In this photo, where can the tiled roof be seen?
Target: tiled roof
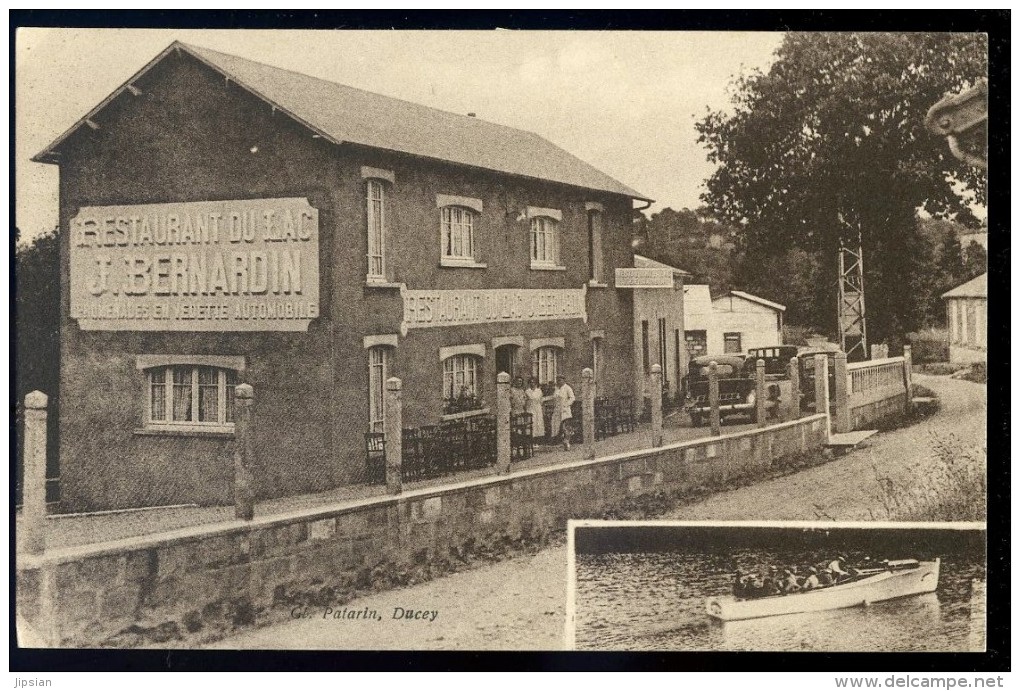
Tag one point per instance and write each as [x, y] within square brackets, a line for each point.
[974, 288]
[345, 114]
[760, 301]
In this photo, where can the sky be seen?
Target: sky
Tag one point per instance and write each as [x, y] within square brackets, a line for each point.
[626, 102]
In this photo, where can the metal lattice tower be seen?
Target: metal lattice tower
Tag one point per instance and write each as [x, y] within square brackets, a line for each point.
[853, 333]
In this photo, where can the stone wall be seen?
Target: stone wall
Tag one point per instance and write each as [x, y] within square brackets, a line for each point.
[200, 583]
[882, 413]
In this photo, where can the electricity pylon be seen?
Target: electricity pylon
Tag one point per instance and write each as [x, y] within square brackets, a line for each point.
[853, 332]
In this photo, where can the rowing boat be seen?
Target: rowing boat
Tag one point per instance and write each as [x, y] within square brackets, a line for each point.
[901, 579]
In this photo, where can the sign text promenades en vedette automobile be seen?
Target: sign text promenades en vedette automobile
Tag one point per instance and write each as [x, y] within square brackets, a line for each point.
[240, 265]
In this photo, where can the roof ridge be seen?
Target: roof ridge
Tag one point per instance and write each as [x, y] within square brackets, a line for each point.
[342, 113]
[191, 46]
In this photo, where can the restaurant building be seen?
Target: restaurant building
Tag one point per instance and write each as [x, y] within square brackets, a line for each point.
[224, 221]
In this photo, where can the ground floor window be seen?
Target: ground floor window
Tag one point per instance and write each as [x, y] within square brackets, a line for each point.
[378, 373]
[697, 342]
[731, 342]
[190, 395]
[545, 365]
[460, 383]
[646, 356]
[662, 349]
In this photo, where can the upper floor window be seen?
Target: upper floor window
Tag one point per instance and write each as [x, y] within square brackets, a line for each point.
[191, 396]
[376, 204]
[458, 228]
[595, 245]
[545, 242]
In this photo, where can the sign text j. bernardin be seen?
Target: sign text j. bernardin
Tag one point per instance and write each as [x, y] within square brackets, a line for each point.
[242, 265]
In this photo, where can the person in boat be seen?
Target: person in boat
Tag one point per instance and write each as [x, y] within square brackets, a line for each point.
[739, 585]
[839, 574]
[811, 581]
[790, 584]
[824, 578]
[773, 583]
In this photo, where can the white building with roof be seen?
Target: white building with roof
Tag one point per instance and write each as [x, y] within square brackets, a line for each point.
[967, 314]
[659, 325]
[731, 323]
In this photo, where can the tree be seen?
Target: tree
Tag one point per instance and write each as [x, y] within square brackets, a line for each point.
[975, 260]
[37, 330]
[693, 241]
[830, 141]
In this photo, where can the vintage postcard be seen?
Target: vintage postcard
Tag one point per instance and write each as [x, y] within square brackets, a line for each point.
[324, 336]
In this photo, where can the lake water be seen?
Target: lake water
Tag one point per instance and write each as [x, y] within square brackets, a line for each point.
[656, 601]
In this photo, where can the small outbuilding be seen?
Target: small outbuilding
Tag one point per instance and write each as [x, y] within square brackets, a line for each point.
[731, 323]
[967, 314]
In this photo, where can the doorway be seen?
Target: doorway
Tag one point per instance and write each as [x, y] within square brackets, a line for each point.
[506, 360]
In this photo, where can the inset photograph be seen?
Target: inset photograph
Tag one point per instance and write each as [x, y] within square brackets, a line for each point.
[776, 586]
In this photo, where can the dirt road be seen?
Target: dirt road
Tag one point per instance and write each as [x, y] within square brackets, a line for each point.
[519, 604]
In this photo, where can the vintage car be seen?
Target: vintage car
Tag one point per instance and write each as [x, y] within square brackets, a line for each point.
[736, 388]
[806, 358]
[777, 359]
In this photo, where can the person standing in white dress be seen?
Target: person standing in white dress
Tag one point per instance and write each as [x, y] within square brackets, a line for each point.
[563, 410]
[534, 407]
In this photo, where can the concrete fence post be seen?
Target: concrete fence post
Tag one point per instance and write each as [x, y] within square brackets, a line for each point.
[244, 451]
[713, 398]
[908, 368]
[503, 423]
[822, 389]
[656, 394]
[32, 531]
[588, 411]
[841, 395]
[760, 393]
[794, 406]
[393, 430]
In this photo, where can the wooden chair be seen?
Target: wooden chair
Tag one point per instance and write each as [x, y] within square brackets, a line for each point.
[626, 417]
[605, 418]
[412, 465]
[481, 442]
[430, 447]
[375, 458]
[455, 447]
[522, 444]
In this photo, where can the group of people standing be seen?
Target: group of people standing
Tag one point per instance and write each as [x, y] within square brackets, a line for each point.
[776, 581]
[530, 400]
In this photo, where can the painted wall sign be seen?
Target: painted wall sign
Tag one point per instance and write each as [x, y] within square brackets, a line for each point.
[425, 308]
[644, 278]
[242, 265]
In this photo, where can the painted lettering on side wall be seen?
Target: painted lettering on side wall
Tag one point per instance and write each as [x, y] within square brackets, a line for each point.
[240, 265]
[425, 308]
